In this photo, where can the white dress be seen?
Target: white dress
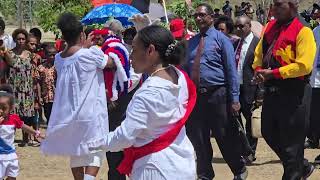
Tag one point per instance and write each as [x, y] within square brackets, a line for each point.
[79, 114]
[153, 110]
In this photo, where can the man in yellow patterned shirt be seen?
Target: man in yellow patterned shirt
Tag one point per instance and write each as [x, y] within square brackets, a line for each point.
[283, 62]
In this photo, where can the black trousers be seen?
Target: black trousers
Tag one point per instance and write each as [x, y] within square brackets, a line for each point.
[47, 108]
[247, 114]
[30, 121]
[212, 113]
[116, 116]
[314, 129]
[284, 121]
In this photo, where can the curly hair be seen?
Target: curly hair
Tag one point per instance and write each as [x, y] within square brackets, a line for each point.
[71, 28]
[20, 31]
[227, 21]
[36, 32]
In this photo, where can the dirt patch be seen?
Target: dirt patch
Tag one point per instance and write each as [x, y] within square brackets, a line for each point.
[35, 166]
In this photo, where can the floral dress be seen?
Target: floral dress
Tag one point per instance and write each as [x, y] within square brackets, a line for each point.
[36, 59]
[47, 76]
[20, 78]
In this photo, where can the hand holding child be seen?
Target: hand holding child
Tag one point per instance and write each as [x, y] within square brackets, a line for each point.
[39, 136]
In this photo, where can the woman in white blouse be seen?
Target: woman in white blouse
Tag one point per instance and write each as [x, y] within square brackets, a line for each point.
[155, 110]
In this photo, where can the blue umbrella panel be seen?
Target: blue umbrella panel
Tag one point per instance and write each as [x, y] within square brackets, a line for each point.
[101, 14]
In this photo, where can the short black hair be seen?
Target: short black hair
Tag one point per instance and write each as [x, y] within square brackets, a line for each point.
[30, 35]
[227, 21]
[161, 38]
[70, 27]
[216, 10]
[316, 6]
[88, 30]
[49, 46]
[20, 31]
[2, 24]
[7, 91]
[36, 32]
[129, 32]
[207, 6]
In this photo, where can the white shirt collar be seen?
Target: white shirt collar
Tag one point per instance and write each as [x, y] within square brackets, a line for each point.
[249, 38]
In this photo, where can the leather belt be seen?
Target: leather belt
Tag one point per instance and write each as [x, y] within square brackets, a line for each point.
[203, 90]
[272, 89]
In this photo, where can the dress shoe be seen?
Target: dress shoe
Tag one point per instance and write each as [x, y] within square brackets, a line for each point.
[310, 144]
[308, 171]
[242, 176]
[248, 160]
[317, 160]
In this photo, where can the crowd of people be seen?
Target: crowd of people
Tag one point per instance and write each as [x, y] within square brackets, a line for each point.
[245, 8]
[150, 99]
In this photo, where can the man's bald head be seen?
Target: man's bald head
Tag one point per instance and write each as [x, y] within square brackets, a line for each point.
[242, 26]
[285, 10]
[295, 3]
[244, 19]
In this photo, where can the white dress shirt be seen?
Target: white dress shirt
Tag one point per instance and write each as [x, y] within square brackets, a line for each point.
[243, 53]
[8, 41]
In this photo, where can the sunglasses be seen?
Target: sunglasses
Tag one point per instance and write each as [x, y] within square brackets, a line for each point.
[201, 15]
[240, 26]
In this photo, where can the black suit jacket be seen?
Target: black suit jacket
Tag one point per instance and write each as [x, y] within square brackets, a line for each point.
[248, 91]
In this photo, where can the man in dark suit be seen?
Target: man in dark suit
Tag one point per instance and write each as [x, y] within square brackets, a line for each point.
[249, 93]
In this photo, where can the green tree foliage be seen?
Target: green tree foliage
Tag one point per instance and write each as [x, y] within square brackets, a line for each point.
[8, 8]
[180, 8]
[47, 15]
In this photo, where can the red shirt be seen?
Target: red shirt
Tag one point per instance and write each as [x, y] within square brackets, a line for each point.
[13, 119]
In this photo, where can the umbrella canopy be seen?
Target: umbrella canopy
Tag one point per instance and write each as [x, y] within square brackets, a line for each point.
[101, 14]
[156, 11]
[97, 3]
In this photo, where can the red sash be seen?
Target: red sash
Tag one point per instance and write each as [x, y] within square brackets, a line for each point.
[133, 153]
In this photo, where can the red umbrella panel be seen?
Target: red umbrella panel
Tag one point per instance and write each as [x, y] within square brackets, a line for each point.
[97, 3]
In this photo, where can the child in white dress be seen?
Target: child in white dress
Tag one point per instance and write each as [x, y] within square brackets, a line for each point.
[153, 133]
[79, 113]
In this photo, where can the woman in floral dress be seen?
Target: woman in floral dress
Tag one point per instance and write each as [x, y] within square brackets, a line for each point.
[21, 79]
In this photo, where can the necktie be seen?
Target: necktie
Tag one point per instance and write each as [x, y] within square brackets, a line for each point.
[238, 52]
[195, 73]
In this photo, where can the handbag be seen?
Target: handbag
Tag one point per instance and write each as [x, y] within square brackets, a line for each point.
[256, 122]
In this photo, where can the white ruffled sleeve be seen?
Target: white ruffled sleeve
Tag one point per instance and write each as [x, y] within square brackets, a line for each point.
[93, 58]
[134, 78]
[136, 121]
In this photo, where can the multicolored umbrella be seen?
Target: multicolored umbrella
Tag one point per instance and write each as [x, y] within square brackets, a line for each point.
[101, 14]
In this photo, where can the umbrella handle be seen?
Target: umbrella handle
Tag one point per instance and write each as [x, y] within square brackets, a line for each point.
[165, 10]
